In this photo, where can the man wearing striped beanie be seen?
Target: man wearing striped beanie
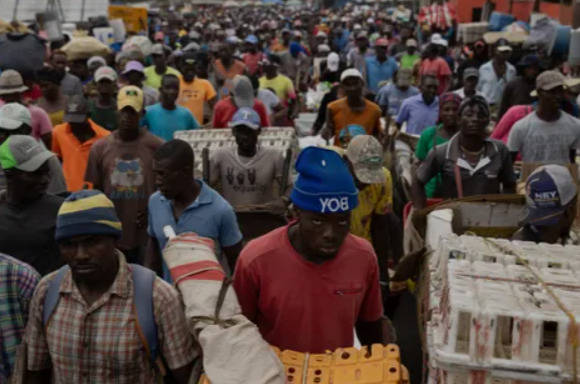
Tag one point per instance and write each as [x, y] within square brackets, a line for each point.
[91, 312]
[307, 285]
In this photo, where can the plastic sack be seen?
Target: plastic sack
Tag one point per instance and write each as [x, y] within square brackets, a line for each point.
[83, 48]
[542, 34]
[30, 53]
[141, 42]
[233, 349]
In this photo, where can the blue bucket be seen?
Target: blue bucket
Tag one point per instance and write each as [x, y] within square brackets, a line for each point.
[561, 42]
[498, 21]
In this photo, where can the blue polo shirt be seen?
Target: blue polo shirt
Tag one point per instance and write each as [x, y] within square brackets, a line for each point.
[209, 216]
[417, 114]
[377, 71]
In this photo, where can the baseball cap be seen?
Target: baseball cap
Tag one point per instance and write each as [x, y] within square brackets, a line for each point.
[362, 35]
[297, 34]
[157, 49]
[134, 66]
[23, 153]
[404, 77]
[251, 39]
[411, 43]
[13, 115]
[321, 34]
[503, 45]
[381, 43]
[105, 73]
[366, 155]
[243, 92]
[350, 73]
[77, 110]
[96, 60]
[530, 61]
[549, 190]
[550, 80]
[324, 48]
[130, 96]
[470, 72]
[247, 117]
[333, 61]
[11, 82]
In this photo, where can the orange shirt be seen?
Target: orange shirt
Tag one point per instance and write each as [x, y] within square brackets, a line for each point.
[342, 115]
[193, 96]
[73, 153]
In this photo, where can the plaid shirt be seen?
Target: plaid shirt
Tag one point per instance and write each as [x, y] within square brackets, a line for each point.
[100, 343]
[17, 283]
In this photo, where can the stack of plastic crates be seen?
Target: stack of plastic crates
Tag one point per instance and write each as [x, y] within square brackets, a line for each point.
[282, 138]
[493, 318]
[344, 366]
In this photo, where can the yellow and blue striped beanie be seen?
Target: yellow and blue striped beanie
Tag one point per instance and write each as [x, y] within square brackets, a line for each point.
[87, 213]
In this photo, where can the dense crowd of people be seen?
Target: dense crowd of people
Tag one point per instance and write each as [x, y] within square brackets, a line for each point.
[91, 174]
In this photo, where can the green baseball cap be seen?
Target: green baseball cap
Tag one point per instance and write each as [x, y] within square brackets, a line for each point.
[23, 153]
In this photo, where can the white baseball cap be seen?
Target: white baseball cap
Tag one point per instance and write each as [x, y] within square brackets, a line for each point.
[332, 61]
[350, 73]
[13, 115]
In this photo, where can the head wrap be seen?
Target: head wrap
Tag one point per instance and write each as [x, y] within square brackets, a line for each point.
[449, 97]
[87, 212]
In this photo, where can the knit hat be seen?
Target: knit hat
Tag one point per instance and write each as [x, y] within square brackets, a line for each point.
[87, 212]
[324, 183]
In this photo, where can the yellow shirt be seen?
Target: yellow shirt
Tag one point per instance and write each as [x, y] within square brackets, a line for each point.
[374, 199]
[56, 117]
[153, 79]
[281, 85]
[193, 96]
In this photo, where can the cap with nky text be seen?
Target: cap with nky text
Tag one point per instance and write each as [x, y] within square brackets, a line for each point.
[549, 191]
[130, 96]
[23, 153]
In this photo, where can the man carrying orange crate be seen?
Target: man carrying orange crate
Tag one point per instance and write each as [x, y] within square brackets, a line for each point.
[308, 284]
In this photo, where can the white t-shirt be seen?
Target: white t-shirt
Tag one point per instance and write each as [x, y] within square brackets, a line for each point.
[539, 141]
[269, 99]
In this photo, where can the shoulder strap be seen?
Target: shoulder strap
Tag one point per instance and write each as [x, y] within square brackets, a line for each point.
[143, 280]
[52, 295]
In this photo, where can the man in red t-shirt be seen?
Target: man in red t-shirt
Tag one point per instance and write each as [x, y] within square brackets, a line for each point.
[242, 95]
[308, 284]
[435, 65]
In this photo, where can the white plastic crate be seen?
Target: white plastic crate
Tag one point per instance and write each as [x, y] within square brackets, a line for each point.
[491, 319]
[282, 138]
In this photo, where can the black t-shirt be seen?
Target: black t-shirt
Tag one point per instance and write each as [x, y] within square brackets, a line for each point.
[27, 232]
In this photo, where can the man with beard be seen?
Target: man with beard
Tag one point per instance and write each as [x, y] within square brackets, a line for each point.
[194, 92]
[70, 84]
[166, 117]
[308, 284]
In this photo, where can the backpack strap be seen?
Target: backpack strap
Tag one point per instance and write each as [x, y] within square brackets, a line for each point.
[52, 295]
[143, 280]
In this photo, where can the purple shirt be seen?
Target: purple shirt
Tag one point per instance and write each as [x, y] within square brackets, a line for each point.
[417, 114]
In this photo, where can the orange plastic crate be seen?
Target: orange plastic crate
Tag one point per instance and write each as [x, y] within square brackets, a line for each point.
[344, 366]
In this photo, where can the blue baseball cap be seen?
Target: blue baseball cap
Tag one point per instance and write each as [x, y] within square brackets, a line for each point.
[324, 183]
[549, 191]
[251, 39]
[247, 117]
